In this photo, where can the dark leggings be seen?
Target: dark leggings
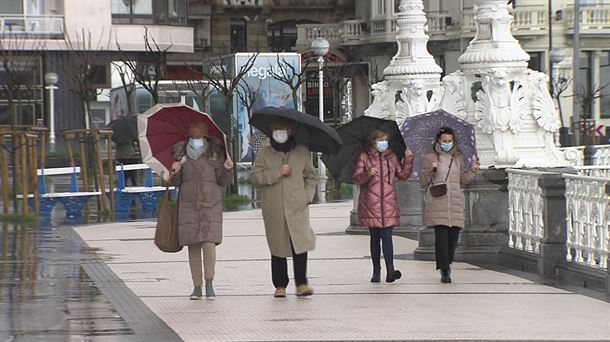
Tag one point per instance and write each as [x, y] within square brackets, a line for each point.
[445, 243]
[383, 235]
[279, 269]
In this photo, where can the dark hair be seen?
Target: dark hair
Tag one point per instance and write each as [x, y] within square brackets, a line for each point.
[444, 130]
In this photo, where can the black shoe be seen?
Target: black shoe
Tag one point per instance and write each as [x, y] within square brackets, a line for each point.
[445, 276]
[392, 276]
[376, 276]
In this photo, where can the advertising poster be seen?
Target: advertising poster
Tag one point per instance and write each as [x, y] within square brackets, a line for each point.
[270, 92]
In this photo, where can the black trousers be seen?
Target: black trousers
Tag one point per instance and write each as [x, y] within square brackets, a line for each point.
[445, 243]
[279, 269]
[383, 235]
[131, 175]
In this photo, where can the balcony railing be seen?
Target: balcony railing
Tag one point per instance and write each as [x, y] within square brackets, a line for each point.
[530, 18]
[32, 26]
[591, 17]
[243, 3]
[348, 32]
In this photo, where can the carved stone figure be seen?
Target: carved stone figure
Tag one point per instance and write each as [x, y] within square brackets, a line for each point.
[453, 95]
[380, 106]
[544, 110]
[500, 110]
[414, 100]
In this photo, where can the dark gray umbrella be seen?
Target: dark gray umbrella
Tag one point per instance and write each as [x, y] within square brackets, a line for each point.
[309, 130]
[124, 129]
[354, 135]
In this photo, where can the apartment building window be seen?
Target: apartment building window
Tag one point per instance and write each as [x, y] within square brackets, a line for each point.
[396, 6]
[535, 62]
[604, 81]
[162, 12]
[238, 35]
[282, 36]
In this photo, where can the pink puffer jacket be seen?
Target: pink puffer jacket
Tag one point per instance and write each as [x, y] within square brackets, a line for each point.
[378, 203]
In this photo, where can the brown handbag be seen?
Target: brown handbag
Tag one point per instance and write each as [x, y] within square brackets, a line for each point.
[166, 233]
[440, 190]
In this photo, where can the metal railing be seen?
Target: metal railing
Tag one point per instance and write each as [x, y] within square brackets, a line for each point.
[32, 26]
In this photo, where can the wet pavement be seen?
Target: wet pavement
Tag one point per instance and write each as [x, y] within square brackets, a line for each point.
[54, 288]
[45, 295]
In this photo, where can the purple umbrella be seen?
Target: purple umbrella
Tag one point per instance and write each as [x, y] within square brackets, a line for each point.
[419, 133]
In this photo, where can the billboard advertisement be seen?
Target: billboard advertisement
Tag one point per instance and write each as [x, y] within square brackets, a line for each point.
[269, 91]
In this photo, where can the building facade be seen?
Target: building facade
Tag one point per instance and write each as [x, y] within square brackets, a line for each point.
[371, 36]
[39, 37]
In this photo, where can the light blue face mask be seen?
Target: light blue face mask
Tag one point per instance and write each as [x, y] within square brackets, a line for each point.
[446, 147]
[196, 143]
[381, 145]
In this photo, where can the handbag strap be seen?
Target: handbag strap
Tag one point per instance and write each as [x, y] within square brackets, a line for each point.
[447, 176]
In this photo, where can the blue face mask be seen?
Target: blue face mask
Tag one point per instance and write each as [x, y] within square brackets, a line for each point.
[196, 143]
[381, 145]
[446, 147]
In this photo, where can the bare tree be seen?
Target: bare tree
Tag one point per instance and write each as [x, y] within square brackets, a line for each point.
[20, 69]
[248, 95]
[560, 85]
[374, 75]
[198, 85]
[128, 81]
[226, 85]
[149, 66]
[289, 75]
[586, 99]
[338, 76]
[81, 71]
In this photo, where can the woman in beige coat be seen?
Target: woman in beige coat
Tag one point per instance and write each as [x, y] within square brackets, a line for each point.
[200, 172]
[445, 164]
[285, 175]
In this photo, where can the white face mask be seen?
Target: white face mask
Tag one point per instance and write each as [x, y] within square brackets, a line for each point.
[280, 136]
[196, 143]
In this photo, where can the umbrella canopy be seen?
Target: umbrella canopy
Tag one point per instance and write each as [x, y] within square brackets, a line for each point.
[354, 136]
[124, 129]
[309, 130]
[419, 132]
[162, 126]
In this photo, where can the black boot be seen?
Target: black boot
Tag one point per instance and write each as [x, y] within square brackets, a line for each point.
[376, 275]
[392, 275]
[446, 276]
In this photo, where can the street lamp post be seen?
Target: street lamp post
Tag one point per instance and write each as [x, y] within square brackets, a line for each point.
[51, 80]
[320, 47]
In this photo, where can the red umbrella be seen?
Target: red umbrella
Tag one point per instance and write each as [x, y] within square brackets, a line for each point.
[162, 126]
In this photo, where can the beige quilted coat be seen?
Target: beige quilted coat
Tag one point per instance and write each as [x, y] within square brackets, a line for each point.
[447, 210]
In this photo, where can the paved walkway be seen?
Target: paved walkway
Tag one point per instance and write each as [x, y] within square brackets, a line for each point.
[481, 304]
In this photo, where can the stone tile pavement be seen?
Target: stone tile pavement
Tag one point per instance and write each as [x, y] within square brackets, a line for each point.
[481, 304]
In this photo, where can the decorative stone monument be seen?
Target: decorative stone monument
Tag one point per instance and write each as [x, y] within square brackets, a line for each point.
[515, 122]
[412, 86]
[493, 89]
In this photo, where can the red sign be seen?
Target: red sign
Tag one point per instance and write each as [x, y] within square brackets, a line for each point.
[598, 130]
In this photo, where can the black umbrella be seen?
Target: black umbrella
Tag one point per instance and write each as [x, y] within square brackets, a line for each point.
[124, 129]
[354, 136]
[309, 130]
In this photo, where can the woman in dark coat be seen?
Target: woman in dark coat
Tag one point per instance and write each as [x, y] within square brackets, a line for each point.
[445, 164]
[375, 171]
[200, 171]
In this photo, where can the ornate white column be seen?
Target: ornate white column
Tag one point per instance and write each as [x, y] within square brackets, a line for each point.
[509, 103]
[412, 73]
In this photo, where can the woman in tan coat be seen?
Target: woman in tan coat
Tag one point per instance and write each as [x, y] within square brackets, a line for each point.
[445, 164]
[285, 175]
[200, 172]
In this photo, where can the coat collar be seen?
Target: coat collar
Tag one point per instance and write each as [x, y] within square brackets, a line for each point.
[371, 151]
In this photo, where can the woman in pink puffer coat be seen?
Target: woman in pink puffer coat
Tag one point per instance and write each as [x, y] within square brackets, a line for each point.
[375, 171]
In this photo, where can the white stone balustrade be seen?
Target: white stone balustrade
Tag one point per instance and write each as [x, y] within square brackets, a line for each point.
[601, 155]
[592, 17]
[530, 18]
[602, 171]
[588, 220]
[526, 224]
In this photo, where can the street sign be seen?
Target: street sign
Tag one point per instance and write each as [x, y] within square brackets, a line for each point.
[598, 130]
